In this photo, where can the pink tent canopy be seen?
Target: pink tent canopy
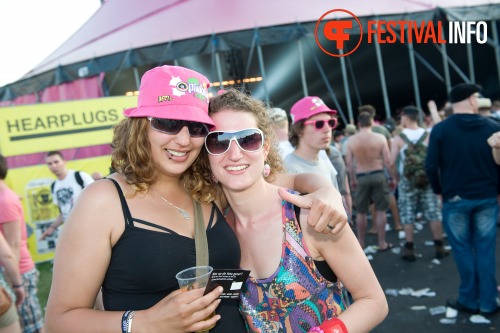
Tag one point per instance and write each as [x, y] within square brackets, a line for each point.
[131, 24]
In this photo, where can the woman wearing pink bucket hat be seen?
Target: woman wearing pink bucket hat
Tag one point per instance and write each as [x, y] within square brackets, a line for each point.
[131, 234]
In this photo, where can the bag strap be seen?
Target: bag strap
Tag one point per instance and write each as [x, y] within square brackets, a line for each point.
[405, 138]
[79, 179]
[200, 236]
[423, 137]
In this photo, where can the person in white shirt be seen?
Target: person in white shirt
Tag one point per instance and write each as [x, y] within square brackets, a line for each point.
[66, 189]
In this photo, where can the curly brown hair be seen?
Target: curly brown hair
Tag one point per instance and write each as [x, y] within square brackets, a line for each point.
[131, 157]
[236, 100]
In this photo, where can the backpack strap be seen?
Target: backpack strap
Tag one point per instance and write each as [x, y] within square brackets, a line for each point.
[79, 179]
[407, 141]
[405, 138]
[423, 137]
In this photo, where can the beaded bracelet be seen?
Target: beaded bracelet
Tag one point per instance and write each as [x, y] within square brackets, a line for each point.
[127, 321]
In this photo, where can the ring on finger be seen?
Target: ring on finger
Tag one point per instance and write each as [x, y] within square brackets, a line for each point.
[329, 226]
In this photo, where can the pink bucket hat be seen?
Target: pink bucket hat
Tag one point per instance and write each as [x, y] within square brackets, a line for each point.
[307, 107]
[173, 92]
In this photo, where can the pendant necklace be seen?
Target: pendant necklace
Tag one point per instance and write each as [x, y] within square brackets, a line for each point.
[181, 211]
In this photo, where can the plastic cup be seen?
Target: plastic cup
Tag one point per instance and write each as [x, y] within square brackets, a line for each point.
[193, 278]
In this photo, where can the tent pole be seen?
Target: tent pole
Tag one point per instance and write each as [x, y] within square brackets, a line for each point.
[219, 69]
[445, 66]
[263, 72]
[382, 79]
[497, 46]
[346, 88]
[470, 60]
[414, 75]
[137, 79]
[302, 69]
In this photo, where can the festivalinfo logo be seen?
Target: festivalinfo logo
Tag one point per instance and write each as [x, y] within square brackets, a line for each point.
[332, 35]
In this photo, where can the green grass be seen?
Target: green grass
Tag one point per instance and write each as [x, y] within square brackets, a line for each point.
[45, 270]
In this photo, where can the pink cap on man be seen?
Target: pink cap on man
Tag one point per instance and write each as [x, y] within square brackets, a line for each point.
[173, 92]
[308, 107]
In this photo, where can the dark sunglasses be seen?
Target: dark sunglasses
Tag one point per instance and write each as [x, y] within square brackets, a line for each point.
[172, 126]
[319, 124]
[249, 140]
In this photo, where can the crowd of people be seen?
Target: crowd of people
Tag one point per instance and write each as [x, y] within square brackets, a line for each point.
[284, 195]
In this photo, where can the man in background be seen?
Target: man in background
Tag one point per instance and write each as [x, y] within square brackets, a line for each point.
[462, 170]
[367, 155]
[279, 123]
[66, 189]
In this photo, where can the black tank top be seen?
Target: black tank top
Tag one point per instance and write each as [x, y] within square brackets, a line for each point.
[144, 262]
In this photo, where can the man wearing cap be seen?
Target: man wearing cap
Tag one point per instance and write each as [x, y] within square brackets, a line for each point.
[370, 151]
[312, 124]
[279, 123]
[461, 169]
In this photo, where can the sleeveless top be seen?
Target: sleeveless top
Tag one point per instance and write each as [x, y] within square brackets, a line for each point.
[296, 296]
[144, 262]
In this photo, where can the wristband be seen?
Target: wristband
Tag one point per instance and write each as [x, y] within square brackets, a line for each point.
[127, 321]
[333, 325]
[17, 286]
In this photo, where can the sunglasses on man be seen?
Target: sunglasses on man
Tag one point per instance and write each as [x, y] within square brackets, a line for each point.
[319, 124]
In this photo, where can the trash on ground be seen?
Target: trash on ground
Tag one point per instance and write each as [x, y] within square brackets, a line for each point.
[437, 310]
[405, 291]
[448, 321]
[371, 249]
[418, 307]
[423, 292]
[391, 292]
[436, 261]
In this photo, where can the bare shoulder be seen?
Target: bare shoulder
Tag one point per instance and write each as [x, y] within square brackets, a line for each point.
[98, 206]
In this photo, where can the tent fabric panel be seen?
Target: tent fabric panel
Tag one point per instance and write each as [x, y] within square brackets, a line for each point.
[120, 25]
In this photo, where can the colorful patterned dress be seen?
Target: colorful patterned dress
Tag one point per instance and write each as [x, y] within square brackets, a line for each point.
[296, 297]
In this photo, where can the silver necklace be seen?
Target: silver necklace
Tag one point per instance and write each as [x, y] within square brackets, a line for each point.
[181, 211]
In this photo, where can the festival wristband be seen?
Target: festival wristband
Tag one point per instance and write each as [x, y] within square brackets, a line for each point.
[127, 321]
[333, 325]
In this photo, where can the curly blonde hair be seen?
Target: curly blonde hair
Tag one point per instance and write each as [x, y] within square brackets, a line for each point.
[236, 100]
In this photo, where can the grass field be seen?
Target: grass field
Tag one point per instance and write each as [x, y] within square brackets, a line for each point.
[45, 270]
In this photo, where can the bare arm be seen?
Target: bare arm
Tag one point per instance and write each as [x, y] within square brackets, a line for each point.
[52, 228]
[397, 144]
[346, 258]
[433, 111]
[327, 210]
[12, 233]
[11, 266]
[349, 162]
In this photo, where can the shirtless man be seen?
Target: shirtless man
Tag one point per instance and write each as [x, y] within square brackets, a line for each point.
[371, 152]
